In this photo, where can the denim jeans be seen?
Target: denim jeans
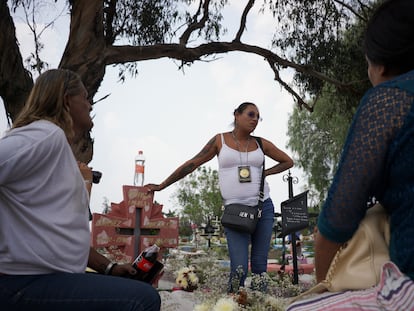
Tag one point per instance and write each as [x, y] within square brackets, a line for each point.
[80, 292]
[238, 246]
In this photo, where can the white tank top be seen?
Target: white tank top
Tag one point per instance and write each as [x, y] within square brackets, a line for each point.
[232, 190]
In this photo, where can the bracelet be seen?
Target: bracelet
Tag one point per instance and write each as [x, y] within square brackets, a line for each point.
[87, 181]
[109, 268]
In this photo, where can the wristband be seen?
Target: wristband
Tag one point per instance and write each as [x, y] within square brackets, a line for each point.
[109, 268]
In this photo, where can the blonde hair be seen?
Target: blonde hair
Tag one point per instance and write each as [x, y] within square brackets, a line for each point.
[47, 101]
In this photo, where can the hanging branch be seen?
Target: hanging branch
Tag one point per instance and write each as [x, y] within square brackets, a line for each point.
[243, 20]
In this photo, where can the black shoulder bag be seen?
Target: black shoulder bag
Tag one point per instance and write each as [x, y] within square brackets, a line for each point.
[241, 217]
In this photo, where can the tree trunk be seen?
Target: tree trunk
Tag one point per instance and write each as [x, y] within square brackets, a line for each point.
[84, 54]
[15, 81]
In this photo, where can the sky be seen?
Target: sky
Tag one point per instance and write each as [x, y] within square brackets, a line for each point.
[171, 114]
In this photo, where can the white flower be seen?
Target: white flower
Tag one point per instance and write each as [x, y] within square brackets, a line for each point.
[186, 278]
[225, 304]
[202, 307]
[193, 278]
[181, 281]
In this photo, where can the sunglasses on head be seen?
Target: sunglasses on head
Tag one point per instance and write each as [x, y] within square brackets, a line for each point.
[253, 115]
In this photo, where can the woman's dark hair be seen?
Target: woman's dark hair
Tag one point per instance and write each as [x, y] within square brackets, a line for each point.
[242, 107]
[389, 37]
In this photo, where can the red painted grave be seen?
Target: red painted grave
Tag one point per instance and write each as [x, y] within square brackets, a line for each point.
[132, 225]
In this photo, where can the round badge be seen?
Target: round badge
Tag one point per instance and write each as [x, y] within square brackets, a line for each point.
[244, 173]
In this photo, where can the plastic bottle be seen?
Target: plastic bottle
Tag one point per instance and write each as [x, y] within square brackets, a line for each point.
[145, 261]
[139, 169]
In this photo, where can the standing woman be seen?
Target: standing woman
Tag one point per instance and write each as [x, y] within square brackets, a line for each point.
[236, 149]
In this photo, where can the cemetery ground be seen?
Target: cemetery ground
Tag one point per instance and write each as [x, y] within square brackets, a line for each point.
[204, 264]
[211, 267]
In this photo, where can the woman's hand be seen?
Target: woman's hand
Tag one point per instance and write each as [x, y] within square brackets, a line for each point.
[86, 172]
[153, 187]
[125, 270]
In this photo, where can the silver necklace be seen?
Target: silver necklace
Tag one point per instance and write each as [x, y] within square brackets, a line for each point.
[238, 147]
[244, 170]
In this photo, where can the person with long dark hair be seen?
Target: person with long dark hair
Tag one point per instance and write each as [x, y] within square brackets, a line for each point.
[377, 161]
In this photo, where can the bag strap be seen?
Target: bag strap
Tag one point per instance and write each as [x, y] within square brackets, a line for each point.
[261, 193]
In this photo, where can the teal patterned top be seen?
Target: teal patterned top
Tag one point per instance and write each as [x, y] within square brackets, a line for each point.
[377, 161]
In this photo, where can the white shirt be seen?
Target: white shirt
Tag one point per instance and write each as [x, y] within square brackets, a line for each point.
[232, 190]
[43, 203]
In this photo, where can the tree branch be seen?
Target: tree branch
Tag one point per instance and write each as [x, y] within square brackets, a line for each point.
[196, 25]
[298, 98]
[110, 12]
[351, 9]
[122, 54]
[242, 27]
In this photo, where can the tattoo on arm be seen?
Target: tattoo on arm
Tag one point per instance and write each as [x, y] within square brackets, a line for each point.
[207, 149]
[185, 170]
[180, 173]
[191, 165]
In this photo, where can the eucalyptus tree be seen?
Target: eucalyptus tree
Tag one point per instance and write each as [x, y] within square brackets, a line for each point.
[124, 32]
[317, 138]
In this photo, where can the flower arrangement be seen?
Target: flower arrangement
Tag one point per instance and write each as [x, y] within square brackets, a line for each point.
[270, 292]
[187, 279]
[246, 299]
[263, 293]
[223, 304]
